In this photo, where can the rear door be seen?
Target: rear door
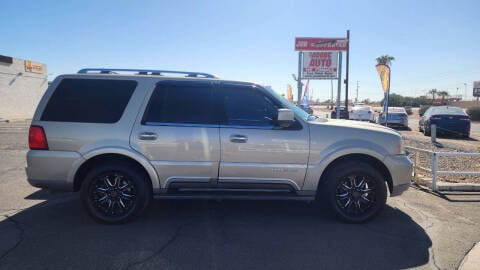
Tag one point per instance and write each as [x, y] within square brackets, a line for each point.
[255, 151]
[179, 134]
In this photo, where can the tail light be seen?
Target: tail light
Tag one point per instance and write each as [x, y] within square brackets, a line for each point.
[467, 118]
[37, 139]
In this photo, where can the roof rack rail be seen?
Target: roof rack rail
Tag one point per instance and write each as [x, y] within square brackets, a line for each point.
[144, 72]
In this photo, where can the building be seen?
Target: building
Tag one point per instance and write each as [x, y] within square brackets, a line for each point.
[22, 84]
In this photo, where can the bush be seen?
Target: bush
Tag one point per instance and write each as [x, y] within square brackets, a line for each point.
[474, 113]
[422, 109]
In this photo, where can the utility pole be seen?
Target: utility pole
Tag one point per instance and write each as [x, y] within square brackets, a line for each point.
[356, 98]
[465, 91]
[346, 76]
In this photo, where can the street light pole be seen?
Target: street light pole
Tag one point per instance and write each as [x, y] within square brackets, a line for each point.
[465, 91]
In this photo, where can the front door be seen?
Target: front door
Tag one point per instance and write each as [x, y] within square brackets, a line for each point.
[254, 149]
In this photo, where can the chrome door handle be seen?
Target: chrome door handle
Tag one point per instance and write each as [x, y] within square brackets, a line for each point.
[238, 138]
[148, 136]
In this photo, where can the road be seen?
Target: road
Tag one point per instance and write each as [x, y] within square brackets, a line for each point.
[45, 230]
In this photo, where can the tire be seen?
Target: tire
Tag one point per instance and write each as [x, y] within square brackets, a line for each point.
[425, 132]
[115, 192]
[355, 191]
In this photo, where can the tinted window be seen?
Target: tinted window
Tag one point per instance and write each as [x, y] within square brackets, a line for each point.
[89, 101]
[184, 104]
[245, 106]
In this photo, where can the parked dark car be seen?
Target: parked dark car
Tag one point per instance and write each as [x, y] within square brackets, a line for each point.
[343, 113]
[448, 119]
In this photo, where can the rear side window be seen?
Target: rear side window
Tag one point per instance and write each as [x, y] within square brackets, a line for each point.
[180, 104]
[89, 101]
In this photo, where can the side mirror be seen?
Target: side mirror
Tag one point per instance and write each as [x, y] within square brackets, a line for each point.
[285, 118]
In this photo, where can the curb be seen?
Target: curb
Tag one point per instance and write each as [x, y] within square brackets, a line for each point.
[471, 261]
[446, 186]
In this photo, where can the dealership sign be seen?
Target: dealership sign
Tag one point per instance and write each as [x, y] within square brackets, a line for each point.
[320, 65]
[320, 44]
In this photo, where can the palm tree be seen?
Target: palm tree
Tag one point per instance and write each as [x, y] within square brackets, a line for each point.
[433, 92]
[443, 94]
[385, 59]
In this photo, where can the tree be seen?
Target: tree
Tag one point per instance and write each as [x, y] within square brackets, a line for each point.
[443, 94]
[433, 92]
[385, 59]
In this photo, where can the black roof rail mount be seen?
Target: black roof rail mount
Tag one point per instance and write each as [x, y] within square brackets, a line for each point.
[145, 72]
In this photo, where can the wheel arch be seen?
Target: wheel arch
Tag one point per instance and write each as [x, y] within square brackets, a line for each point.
[100, 158]
[372, 161]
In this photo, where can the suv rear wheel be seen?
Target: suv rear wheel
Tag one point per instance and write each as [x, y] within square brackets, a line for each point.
[356, 191]
[115, 192]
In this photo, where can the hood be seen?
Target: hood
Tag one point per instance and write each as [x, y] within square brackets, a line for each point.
[349, 124]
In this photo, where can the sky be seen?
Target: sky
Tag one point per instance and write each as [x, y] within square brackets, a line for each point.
[435, 43]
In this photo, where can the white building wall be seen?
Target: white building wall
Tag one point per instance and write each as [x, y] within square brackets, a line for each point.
[20, 90]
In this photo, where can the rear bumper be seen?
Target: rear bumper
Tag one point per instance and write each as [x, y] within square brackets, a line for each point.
[51, 169]
[400, 168]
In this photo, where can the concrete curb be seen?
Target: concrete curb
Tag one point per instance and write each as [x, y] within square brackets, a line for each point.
[446, 186]
[472, 259]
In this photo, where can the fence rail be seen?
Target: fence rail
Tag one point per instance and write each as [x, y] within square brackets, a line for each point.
[434, 164]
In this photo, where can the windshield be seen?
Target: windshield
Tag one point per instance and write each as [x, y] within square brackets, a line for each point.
[298, 111]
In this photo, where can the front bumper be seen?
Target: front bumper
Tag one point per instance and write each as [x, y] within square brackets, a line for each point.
[401, 169]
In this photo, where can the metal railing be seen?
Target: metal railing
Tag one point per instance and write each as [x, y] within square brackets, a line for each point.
[434, 156]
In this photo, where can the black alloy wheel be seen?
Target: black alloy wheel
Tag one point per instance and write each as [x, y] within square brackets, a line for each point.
[356, 191]
[114, 193]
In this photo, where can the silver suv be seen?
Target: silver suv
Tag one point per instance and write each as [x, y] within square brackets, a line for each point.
[121, 137]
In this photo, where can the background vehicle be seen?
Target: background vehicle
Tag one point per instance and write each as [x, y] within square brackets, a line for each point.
[307, 108]
[397, 117]
[362, 113]
[343, 113]
[448, 119]
[123, 139]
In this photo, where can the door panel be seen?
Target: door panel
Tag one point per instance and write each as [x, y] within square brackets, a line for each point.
[179, 133]
[180, 153]
[268, 156]
[254, 149]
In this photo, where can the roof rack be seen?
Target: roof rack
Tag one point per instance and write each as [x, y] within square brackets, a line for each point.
[145, 72]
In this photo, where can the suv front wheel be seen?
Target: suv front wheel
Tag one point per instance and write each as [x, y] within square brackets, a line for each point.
[356, 191]
[115, 192]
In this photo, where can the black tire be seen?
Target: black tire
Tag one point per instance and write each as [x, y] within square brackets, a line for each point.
[425, 132]
[353, 201]
[115, 192]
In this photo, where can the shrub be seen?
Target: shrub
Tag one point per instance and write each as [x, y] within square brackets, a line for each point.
[474, 113]
[422, 109]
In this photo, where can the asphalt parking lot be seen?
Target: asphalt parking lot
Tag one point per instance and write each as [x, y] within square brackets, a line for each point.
[44, 230]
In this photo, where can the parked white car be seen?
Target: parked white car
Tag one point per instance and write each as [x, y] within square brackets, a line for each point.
[362, 113]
